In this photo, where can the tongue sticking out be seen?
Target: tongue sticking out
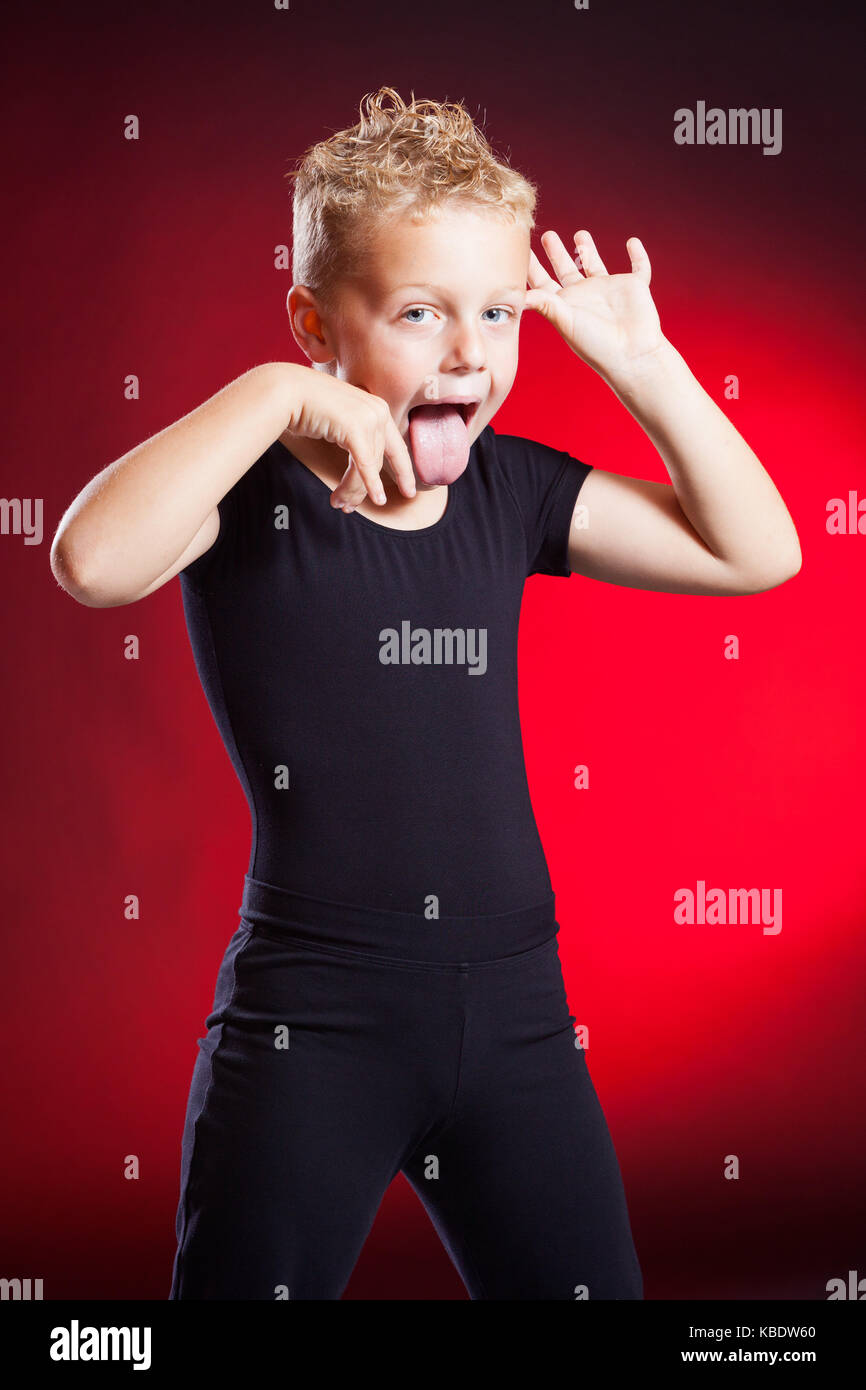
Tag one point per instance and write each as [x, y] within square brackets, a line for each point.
[439, 443]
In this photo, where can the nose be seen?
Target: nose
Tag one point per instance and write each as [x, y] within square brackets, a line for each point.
[466, 350]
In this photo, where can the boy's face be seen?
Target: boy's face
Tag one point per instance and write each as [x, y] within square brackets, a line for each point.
[434, 316]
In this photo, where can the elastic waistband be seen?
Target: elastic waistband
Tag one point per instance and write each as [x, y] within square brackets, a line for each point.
[405, 935]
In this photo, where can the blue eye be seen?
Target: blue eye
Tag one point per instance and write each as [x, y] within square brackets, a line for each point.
[418, 310]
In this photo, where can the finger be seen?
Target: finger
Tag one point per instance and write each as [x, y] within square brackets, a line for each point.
[566, 269]
[549, 306]
[388, 444]
[367, 458]
[366, 448]
[399, 458]
[362, 475]
[538, 276]
[348, 485]
[640, 261]
[587, 254]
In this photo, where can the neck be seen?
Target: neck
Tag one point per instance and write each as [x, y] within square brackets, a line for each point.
[329, 462]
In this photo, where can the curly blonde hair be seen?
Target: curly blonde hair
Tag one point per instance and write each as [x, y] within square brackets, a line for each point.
[396, 159]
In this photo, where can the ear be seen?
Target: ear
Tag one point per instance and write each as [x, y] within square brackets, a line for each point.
[308, 326]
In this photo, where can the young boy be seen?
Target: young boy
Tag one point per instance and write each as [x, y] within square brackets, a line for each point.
[392, 999]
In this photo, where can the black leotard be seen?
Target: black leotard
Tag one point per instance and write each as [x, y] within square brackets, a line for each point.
[371, 782]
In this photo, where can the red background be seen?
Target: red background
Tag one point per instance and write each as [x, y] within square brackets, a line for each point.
[156, 257]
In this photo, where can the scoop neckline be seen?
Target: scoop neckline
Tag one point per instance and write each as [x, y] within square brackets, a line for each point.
[406, 533]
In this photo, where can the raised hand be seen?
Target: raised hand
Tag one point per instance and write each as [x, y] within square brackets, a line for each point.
[610, 321]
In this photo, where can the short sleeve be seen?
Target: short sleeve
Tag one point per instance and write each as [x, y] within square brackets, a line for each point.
[198, 568]
[545, 483]
[241, 511]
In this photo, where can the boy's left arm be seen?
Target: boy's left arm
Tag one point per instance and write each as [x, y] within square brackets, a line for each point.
[721, 528]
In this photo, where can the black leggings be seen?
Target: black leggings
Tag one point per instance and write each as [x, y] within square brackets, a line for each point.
[347, 1045]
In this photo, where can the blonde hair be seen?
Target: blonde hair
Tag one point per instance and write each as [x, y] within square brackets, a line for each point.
[396, 159]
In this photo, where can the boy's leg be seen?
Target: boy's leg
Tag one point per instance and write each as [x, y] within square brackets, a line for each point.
[527, 1193]
[297, 1121]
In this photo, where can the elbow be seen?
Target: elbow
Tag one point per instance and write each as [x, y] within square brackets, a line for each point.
[65, 569]
[70, 575]
[772, 577]
[92, 585]
[796, 563]
[790, 566]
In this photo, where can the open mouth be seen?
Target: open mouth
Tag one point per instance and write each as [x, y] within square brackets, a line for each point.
[466, 408]
[439, 439]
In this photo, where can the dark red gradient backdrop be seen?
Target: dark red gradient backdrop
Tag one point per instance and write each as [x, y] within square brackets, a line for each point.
[156, 257]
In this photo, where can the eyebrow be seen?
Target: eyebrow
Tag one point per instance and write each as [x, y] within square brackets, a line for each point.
[440, 289]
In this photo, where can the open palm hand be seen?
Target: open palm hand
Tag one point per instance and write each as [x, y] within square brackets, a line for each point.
[610, 321]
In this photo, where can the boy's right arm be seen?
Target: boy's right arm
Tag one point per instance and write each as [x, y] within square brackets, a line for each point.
[152, 512]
